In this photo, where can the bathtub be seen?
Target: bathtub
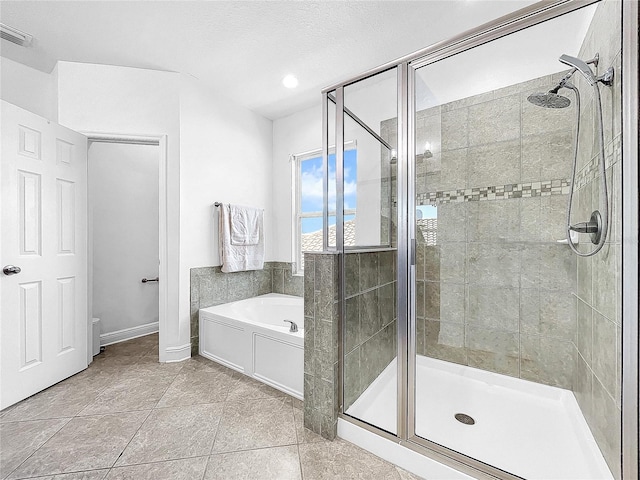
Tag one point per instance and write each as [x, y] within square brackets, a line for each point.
[250, 336]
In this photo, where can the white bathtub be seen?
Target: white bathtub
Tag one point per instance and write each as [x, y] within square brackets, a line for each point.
[250, 336]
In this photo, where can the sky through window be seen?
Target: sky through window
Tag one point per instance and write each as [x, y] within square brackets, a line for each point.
[311, 188]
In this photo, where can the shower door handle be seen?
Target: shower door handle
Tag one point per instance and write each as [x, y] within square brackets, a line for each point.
[412, 259]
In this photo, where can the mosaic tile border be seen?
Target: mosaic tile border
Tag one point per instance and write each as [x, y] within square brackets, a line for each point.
[612, 155]
[496, 192]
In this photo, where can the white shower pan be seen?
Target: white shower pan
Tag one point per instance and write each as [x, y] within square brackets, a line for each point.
[532, 430]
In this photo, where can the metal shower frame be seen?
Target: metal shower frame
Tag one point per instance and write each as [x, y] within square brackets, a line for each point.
[405, 68]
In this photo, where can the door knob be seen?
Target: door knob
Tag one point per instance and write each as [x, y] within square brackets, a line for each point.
[11, 270]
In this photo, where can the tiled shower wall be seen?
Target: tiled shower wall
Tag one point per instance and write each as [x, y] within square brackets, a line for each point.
[597, 380]
[371, 334]
[209, 286]
[495, 290]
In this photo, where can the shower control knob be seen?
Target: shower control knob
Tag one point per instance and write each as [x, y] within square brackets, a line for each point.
[592, 227]
[585, 227]
[11, 270]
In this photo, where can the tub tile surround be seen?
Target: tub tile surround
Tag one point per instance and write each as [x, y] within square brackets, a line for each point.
[598, 363]
[209, 287]
[179, 437]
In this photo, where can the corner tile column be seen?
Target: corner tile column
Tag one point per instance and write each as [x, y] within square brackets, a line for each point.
[321, 402]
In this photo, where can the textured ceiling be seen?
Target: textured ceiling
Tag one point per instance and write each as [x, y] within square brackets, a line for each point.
[239, 48]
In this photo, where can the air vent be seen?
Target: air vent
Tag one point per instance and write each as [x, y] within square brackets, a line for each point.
[15, 36]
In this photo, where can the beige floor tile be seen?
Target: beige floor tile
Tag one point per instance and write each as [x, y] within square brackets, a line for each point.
[171, 433]
[153, 353]
[256, 424]
[197, 387]
[249, 389]
[115, 364]
[340, 459]
[84, 443]
[151, 366]
[125, 349]
[89, 475]
[18, 440]
[199, 363]
[63, 400]
[184, 469]
[281, 463]
[129, 394]
[255, 427]
[404, 475]
[138, 347]
[95, 378]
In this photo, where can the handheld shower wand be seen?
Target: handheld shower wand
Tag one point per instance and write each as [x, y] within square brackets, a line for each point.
[598, 224]
[606, 78]
[581, 66]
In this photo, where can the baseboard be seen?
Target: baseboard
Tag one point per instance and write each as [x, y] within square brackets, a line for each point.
[177, 354]
[128, 334]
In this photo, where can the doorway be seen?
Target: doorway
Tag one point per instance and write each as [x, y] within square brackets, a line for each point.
[126, 205]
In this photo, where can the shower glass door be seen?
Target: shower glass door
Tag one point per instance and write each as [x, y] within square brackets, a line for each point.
[367, 244]
[515, 348]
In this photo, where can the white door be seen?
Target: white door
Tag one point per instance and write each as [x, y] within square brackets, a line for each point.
[43, 327]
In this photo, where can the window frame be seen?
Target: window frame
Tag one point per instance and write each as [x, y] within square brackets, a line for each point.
[296, 202]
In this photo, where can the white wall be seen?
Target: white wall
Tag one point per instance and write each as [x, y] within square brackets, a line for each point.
[123, 208]
[28, 88]
[109, 99]
[217, 151]
[297, 133]
[225, 156]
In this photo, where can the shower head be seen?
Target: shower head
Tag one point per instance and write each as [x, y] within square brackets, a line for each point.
[549, 100]
[581, 66]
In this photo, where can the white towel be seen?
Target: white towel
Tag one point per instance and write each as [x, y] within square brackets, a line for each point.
[238, 258]
[246, 223]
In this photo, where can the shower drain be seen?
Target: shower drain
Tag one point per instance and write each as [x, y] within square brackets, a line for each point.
[464, 418]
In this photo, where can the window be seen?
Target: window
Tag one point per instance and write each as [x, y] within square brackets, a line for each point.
[308, 201]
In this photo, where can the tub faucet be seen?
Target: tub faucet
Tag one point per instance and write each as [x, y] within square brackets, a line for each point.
[294, 326]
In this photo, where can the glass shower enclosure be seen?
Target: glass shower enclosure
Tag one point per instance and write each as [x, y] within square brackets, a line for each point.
[469, 325]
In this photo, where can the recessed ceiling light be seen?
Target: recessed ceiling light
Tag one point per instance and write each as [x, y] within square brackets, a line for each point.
[290, 81]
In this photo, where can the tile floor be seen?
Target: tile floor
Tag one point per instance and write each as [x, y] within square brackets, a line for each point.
[129, 417]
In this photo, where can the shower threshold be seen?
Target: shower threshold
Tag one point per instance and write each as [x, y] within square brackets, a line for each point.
[531, 430]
